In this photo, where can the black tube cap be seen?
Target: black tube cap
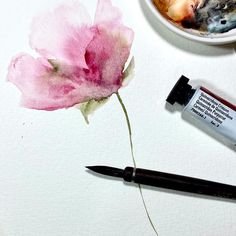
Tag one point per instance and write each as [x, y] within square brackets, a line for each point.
[181, 93]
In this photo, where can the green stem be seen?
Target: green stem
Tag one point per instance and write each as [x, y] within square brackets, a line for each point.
[133, 158]
[129, 127]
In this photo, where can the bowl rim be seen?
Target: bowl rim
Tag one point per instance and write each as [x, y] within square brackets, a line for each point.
[207, 40]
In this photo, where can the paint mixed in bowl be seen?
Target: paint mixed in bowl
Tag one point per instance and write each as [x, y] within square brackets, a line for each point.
[213, 16]
[206, 18]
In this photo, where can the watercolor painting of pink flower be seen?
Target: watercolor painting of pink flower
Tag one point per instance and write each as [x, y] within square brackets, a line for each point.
[81, 62]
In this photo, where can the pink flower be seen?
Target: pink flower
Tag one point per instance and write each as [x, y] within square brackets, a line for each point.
[79, 60]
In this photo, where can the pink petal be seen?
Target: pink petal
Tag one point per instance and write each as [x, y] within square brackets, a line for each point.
[112, 42]
[44, 89]
[63, 34]
[107, 14]
[108, 54]
[39, 91]
[24, 71]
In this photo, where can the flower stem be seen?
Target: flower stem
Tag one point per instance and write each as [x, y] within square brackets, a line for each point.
[133, 158]
[129, 127]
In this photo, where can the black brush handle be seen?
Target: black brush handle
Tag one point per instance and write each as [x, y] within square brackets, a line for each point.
[179, 183]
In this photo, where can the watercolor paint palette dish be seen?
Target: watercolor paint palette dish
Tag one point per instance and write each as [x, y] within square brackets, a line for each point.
[224, 33]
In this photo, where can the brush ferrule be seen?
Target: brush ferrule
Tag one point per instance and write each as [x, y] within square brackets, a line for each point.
[129, 174]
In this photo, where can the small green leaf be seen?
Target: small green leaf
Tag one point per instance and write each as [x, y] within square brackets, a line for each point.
[129, 72]
[54, 64]
[87, 108]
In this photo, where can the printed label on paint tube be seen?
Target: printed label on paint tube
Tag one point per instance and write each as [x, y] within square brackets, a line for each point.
[214, 113]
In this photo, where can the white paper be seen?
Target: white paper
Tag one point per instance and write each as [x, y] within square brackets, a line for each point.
[44, 188]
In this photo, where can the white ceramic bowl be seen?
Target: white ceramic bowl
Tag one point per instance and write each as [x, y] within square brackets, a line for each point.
[212, 39]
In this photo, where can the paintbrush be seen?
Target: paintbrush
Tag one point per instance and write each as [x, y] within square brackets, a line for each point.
[168, 181]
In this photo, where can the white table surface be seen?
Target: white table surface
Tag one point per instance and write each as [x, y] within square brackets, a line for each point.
[44, 188]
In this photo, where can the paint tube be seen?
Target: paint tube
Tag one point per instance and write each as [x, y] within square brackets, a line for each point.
[206, 107]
